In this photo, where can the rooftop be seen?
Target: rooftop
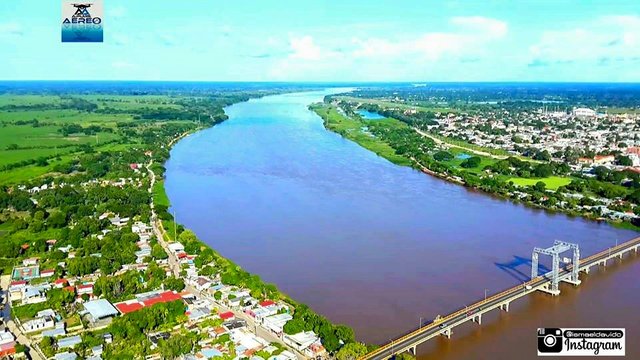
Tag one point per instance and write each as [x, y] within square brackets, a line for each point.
[100, 308]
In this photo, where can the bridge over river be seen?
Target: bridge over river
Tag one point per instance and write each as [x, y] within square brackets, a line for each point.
[547, 283]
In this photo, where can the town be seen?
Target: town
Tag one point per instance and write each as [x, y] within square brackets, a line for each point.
[95, 267]
[571, 159]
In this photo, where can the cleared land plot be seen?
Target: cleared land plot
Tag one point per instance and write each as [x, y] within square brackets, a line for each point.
[28, 100]
[552, 182]
[62, 116]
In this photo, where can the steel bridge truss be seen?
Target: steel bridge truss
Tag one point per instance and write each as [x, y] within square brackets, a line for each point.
[558, 248]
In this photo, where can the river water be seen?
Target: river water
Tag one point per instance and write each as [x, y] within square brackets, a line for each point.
[378, 246]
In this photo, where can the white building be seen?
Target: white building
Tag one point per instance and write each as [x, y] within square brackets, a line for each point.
[302, 340]
[38, 324]
[6, 337]
[584, 113]
[176, 247]
[276, 323]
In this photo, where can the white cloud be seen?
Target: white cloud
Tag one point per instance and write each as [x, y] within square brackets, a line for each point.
[606, 38]
[305, 49]
[476, 33]
[396, 55]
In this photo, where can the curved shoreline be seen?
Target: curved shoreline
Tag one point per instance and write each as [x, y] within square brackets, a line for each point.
[166, 236]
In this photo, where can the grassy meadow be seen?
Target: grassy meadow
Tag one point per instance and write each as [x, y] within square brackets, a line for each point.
[31, 127]
[551, 182]
[355, 130]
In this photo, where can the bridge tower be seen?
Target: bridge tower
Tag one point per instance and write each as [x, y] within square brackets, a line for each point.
[558, 248]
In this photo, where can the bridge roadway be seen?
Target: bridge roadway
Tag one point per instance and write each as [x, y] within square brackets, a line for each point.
[501, 301]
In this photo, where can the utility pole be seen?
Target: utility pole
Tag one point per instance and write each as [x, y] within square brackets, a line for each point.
[175, 227]
[420, 324]
[485, 294]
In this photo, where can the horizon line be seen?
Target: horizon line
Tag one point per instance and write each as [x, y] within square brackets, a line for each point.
[334, 82]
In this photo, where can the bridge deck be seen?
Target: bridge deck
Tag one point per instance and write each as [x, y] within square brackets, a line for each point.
[472, 312]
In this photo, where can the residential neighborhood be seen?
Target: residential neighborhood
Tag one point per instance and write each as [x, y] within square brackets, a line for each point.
[62, 312]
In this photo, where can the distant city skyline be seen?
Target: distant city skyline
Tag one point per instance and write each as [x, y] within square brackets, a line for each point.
[346, 41]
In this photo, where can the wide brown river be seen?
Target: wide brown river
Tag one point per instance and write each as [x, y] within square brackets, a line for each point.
[378, 246]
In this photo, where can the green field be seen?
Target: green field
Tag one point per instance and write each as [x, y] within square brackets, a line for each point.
[456, 162]
[355, 131]
[21, 142]
[552, 182]
[42, 141]
[62, 116]
[28, 99]
[159, 195]
[46, 136]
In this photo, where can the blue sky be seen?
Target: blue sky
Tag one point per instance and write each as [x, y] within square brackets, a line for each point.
[346, 40]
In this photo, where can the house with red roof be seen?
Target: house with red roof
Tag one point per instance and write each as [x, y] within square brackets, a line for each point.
[17, 284]
[7, 349]
[60, 283]
[128, 306]
[604, 159]
[164, 297]
[226, 315]
[266, 303]
[84, 289]
[47, 273]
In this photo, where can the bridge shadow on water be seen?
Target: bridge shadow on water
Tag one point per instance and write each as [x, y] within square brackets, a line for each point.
[515, 268]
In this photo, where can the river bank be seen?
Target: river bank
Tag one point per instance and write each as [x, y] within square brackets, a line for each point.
[356, 130]
[361, 240]
[333, 337]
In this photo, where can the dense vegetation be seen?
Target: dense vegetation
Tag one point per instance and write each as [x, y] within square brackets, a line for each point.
[523, 180]
[99, 142]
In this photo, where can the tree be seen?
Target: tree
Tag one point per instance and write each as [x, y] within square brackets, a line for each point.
[157, 252]
[543, 170]
[293, 326]
[174, 283]
[404, 356]
[443, 156]
[36, 226]
[634, 197]
[543, 155]
[540, 186]
[176, 345]
[46, 345]
[471, 162]
[351, 351]
[329, 339]
[57, 220]
[345, 333]
[624, 160]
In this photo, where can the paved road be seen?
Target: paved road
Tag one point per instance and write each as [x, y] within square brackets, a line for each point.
[10, 324]
[409, 340]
